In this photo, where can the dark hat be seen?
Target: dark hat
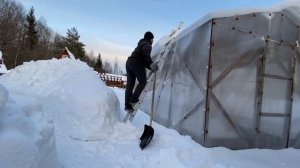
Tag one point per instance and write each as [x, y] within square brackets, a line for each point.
[148, 35]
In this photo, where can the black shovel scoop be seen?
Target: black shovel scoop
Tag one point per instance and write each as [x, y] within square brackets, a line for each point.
[148, 130]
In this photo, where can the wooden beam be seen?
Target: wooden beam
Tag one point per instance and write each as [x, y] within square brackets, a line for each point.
[227, 70]
[229, 118]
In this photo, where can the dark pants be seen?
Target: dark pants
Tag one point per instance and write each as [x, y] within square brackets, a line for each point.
[135, 70]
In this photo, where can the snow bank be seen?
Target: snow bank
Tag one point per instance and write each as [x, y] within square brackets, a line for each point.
[79, 102]
[27, 135]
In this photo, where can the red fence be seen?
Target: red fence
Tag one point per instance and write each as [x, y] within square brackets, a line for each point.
[113, 81]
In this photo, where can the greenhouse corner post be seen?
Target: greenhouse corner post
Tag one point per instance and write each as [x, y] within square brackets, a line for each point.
[260, 83]
[208, 88]
[292, 95]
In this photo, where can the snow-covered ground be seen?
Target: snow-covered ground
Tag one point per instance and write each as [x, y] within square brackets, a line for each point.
[46, 105]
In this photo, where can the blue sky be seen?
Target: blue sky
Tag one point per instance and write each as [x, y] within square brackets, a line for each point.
[113, 27]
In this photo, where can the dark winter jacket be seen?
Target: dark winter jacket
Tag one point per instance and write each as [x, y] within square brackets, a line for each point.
[142, 53]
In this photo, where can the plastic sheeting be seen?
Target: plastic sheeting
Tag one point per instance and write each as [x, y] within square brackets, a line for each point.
[234, 82]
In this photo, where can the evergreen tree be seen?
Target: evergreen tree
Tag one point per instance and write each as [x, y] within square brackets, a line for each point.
[31, 32]
[73, 43]
[99, 65]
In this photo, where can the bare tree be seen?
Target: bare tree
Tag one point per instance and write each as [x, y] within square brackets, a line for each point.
[116, 68]
[59, 43]
[23, 38]
[90, 59]
[45, 42]
[12, 19]
[14, 35]
[91, 54]
[107, 67]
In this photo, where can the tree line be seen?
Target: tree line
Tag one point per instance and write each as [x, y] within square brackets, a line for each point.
[24, 38]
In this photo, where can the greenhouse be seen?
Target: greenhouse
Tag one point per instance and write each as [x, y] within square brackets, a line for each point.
[232, 80]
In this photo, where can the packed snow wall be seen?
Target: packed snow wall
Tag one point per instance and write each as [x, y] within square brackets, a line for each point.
[232, 81]
[27, 138]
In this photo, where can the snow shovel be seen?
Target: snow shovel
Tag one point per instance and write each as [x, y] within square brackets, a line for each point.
[148, 130]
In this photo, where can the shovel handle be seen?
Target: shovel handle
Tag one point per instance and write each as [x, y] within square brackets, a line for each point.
[152, 100]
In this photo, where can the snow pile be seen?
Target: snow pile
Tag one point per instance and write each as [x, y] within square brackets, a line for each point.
[27, 135]
[79, 102]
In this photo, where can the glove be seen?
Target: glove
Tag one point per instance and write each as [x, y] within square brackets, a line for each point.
[154, 67]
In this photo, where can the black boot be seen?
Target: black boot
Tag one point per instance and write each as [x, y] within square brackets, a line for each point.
[133, 100]
[128, 108]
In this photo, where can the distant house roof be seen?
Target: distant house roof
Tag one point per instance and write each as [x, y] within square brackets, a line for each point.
[66, 54]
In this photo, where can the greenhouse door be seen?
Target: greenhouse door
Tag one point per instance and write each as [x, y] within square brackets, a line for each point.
[275, 76]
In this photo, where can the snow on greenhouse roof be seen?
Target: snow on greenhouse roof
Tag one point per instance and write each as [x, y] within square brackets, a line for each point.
[289, 7]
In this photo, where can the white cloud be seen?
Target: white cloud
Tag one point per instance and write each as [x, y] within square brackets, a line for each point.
[109, 51]
[290, 1]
